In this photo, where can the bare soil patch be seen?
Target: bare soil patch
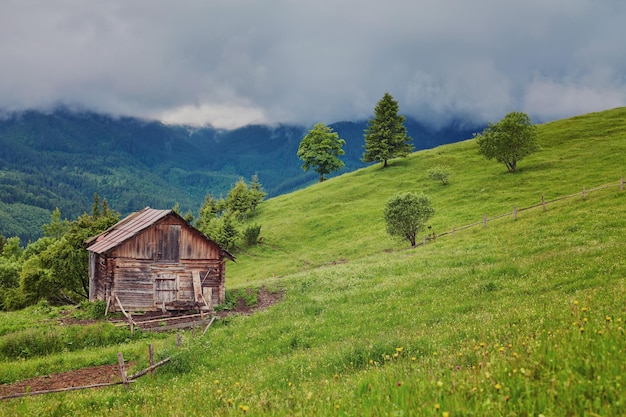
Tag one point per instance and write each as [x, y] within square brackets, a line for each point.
[77, 378]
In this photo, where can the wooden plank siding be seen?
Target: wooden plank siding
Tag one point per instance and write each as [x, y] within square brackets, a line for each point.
[155, 265]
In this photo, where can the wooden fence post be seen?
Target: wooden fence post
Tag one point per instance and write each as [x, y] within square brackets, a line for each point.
[584, 193]
[543, 203]
[120, 361]
[151, 354]
[484, 220]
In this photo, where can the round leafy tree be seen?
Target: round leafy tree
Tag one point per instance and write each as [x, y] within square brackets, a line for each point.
[406, 214]
[320, 149]
[509, 140]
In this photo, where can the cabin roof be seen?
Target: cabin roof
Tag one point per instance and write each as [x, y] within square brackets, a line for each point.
[131, 226]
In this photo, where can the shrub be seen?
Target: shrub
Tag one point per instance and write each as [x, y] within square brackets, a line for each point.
[439, 173]
[12, 299]
[251, 235]
[91, 310]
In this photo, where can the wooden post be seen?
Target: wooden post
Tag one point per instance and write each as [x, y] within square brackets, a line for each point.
[179, 340]
[453, 231]
[514, 212]
[120, 361]
[424, 240]
[131, 323]
[584, 193]
[485, 220]
[208, 325]
[151, 354]
[543, 203]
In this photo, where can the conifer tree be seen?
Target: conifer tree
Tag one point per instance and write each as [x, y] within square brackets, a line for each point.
[257, 194]
[386, 136]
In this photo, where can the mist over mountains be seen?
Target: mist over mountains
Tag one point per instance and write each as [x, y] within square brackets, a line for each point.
[61, 159]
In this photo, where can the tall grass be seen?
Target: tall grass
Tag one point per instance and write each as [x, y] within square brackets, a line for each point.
[522, 317]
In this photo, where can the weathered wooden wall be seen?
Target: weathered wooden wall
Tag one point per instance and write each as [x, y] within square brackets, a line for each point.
[156, 267]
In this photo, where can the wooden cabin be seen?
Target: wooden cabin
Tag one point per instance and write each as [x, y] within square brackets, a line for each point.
[153, 260]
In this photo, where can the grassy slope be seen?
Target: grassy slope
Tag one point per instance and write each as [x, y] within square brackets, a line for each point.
[340, 219]
[521, 318]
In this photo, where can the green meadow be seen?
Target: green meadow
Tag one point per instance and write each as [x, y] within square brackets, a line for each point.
[521, 317]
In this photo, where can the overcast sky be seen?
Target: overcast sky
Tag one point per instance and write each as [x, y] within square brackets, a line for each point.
[232, 62]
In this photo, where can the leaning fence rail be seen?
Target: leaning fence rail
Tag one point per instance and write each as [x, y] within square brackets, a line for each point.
[544, 203]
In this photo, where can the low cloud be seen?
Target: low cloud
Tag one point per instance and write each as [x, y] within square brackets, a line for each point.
[229, 63]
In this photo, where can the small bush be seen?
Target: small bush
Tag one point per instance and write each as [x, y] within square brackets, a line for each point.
[90, 310]
[251, 235]
[439, 173]
[12, 299]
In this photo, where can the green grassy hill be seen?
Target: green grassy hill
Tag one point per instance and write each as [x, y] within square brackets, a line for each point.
[521, 317]
[341, 219]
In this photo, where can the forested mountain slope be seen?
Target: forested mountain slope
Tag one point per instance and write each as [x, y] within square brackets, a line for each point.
[61, 159]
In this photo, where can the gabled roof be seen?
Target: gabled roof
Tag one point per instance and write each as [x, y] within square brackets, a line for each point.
[131, 226]
[125, 229]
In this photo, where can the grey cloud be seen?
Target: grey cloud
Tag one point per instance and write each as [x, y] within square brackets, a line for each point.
[230, 62]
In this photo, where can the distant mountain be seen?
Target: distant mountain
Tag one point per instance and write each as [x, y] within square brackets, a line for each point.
[61, 159]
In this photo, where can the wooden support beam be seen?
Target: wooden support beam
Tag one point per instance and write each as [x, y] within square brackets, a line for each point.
[149, 369]
[51, 391]
[208, 325]
[128, 316]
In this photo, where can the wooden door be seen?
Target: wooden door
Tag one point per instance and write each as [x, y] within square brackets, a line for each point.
[165, 289]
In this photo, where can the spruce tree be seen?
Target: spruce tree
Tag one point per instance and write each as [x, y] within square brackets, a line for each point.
[386, 136]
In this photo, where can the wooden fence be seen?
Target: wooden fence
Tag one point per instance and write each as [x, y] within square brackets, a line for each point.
[126, 379]
[544, 203]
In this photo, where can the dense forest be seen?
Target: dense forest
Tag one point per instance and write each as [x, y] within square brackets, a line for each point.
[60, 159]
